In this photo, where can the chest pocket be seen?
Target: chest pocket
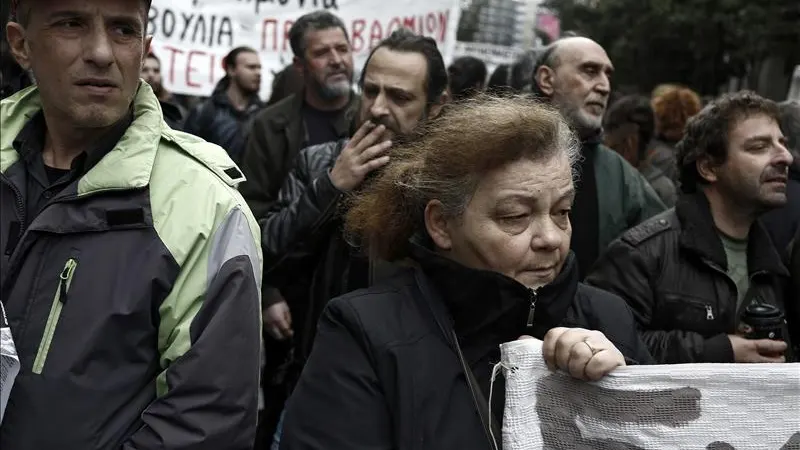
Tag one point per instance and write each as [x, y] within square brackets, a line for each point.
[686, 312]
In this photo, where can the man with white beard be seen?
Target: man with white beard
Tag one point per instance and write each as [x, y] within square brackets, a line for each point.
[574, 75]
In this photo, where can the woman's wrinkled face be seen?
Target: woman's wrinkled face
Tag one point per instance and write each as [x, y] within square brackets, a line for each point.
[517, 222]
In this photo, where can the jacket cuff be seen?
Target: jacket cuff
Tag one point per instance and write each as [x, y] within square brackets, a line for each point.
[718, 349]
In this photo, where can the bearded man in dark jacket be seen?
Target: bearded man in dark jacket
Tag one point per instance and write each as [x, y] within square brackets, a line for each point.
[404, 83]
[225, 118]
[689, 274]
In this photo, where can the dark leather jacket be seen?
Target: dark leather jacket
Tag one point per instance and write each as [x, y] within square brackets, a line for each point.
[671, 270]
[305, 254]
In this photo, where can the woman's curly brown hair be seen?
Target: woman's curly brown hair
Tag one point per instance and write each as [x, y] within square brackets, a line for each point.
[673, 109]
[445, 160]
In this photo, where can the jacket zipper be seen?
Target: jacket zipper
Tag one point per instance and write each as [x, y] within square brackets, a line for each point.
[59, 300]
[20, 208]
[533, 297]
[709, 313]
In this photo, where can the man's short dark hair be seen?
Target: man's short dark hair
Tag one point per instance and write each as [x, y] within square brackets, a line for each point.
[404, 40]
[229, 62]
[152, 55]
[317, 20]
[706, 134]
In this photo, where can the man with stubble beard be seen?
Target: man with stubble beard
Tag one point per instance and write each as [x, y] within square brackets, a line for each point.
[574, 75]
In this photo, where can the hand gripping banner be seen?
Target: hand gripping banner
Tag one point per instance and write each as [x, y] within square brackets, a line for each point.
[686, 406]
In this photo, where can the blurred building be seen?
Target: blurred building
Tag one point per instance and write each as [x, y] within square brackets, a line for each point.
[500, 22]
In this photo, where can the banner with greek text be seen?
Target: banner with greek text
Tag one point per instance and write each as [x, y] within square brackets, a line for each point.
[191, 37]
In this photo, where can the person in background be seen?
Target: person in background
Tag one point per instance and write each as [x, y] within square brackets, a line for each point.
[130, 269]
[404, 84]
[574, 75]
[629, 127]
[689, 273]
[224, 118]
[521, 72]
[320, 112]
[498, 81]
[285, 83]
[151, 74]
[782, 223]
[467, 77]
[673, 108]
[479, 201]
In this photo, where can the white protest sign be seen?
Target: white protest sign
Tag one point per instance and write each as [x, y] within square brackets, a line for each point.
[191, 37]
[683, 406]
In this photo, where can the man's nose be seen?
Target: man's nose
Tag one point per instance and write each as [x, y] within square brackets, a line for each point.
[98, 48]
[380, 107]
[603, 85]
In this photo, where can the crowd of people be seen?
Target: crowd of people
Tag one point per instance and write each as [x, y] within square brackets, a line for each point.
[336, 267]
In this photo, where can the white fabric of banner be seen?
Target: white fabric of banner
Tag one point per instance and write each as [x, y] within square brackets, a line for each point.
[9, 362]
[662, 407]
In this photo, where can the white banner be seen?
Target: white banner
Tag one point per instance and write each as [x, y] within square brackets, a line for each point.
[684, 406]
[191, 37]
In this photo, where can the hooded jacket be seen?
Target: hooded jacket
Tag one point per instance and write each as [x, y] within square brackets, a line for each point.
[132, 297]
[385, 371]
[217, 121]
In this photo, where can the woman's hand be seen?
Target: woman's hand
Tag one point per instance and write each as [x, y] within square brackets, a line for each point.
[584, 354]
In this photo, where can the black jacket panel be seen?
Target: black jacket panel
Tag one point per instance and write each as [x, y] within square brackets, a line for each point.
[384, 373]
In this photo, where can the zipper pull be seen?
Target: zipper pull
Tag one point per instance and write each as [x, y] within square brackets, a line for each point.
[709, 313]
[534, 295]
[64, 279]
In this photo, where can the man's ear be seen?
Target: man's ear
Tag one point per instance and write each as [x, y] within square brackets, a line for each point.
[545, 78]
[436, 108]
[436, 225]
[707, 169]
[297, 63]
[18, 43]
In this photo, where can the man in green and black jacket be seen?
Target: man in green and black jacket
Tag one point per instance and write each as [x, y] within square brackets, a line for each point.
[130, 264]
[574, 74]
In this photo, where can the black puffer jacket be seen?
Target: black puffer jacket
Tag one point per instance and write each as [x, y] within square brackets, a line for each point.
[385, 372]
[671, 270]
[217, 121]
[305, 254]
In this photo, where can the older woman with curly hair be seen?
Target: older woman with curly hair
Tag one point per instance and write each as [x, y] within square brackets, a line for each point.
[673, 108]
[478, 204]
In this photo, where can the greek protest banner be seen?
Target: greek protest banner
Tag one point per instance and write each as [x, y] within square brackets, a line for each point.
[682, 406]
[191, 37]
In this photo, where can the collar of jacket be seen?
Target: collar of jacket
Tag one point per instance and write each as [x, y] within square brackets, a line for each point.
[699, 235]
[292, 112]
[220, 97]
[485, 303]
[130, 163]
